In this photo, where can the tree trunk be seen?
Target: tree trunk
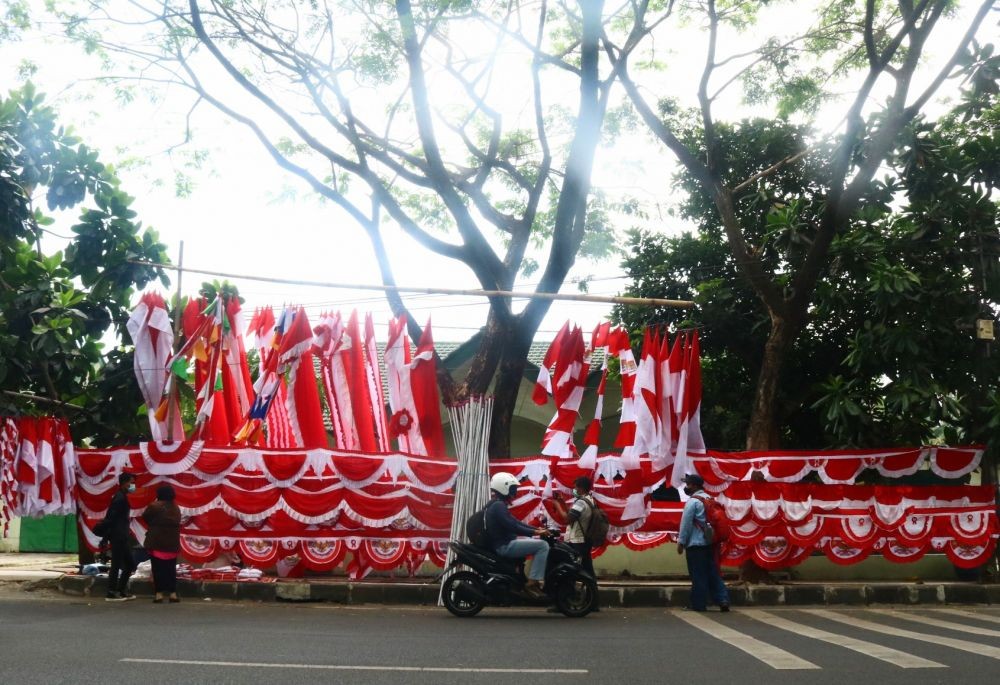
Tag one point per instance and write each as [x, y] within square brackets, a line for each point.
[763, 431]
[508, 384]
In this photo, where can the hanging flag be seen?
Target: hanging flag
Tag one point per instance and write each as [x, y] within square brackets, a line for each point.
[645, 399]
[361, 402]
[235, 372]
[211, 419]
[690, 440]
[374, 379]
[426, 400]
[328, 339]
[599, 341]
[153, 338]
[543, 385]
[304, 412]
[401, 403]
[570, 380]
[622, 349]
[275, 410]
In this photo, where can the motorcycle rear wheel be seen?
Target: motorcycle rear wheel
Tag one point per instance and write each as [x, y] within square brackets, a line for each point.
[576, 597]
[462, 594]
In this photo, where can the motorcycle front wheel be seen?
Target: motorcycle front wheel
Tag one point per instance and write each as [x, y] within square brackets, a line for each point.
[463, 594]
[576, 597]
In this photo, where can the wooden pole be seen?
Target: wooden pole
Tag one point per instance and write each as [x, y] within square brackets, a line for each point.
[172, 392]
[572, 297]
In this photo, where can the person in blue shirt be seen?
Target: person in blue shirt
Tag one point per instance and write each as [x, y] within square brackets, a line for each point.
[693, 540]
[502, 531]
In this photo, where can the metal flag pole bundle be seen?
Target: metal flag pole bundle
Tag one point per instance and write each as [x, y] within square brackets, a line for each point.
[470, 431]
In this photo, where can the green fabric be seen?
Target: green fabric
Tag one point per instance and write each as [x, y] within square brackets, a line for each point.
[49, 534]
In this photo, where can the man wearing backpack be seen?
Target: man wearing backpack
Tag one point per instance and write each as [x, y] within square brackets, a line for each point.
[578, 517]
[695, 538]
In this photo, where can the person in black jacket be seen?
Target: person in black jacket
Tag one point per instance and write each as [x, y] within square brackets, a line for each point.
[163, 542]
[502, 530]
[118, 521]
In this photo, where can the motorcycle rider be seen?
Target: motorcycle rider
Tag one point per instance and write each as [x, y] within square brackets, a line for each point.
[502, 530]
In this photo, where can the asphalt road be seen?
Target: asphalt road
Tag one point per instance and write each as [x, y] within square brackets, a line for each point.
[54, 639]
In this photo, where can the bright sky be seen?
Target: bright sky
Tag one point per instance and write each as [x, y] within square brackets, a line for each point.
[245, 215]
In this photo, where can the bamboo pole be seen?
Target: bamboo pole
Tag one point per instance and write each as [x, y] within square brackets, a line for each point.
[172, 390]
[572, 297]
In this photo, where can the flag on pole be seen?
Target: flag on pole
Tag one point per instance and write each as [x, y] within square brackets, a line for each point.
[569, 382]
[304, 412]
[690, 439]
[591, 438]
[426, 400]
[374, 379]
[153, 337]
[543, 385]
[361, 402]
[401, 404]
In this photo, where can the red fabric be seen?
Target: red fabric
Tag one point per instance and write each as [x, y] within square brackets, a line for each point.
[283, 465]
[423, 379]
[431, 474]
[958, 461]
[215, 462]
[361, 401]
[358, 468]
[295, 350]
[774, 524]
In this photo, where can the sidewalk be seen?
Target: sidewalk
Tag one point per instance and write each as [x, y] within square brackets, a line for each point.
[20, 567]
[57, 572]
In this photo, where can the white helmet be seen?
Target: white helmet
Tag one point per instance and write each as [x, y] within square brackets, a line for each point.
[504, 484]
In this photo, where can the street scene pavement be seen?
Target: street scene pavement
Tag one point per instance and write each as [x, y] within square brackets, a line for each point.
[48, 638]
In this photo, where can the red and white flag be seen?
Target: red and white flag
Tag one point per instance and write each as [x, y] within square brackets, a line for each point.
[599, 341]
[543, 384]
[622, 349]
[373, 376]
[426, 400]
[689, 439]
[403, 411]
[329, 339]
[304, 412]
[153, 337]
[570, 379]
[646, 398]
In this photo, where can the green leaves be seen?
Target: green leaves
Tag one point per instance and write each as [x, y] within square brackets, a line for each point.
[57, 307]
[887, 355]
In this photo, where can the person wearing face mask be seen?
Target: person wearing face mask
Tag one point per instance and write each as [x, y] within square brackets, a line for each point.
[694, 539]
[577, 517]
[118, 521]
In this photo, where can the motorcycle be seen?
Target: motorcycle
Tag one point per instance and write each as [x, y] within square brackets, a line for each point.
[492, 580]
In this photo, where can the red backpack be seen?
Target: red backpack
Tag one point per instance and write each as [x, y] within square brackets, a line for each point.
[718, 524]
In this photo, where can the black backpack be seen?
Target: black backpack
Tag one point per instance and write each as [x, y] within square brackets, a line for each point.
[475, 528]
[597, 530]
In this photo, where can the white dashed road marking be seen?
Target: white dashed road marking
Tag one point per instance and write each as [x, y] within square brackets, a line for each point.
[963, 645]
[893, 656]
[775, 657]
[342, 667]
[950, 625]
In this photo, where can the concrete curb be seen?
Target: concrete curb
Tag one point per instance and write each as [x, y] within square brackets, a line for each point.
[649, 595]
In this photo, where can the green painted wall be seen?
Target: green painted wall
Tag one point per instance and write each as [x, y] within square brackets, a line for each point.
[48, 534]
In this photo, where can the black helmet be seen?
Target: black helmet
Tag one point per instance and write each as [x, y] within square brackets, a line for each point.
[694, 480]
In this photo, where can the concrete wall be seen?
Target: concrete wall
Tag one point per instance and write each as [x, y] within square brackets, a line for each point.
[664, 561]
[12, 543]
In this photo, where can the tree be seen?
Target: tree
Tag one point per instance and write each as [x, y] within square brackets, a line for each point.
[889, 356]
[56, 308]
[432, 116]
[875, 50]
